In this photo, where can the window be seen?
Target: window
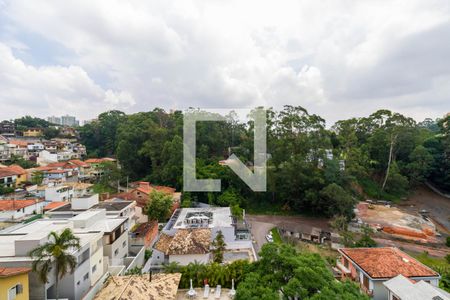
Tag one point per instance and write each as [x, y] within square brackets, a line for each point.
[14, 291]
[116, 252]
[78, 283]
[86, 276]
[94, 268]
[124, 244]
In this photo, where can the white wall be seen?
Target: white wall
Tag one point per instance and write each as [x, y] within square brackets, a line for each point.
[23, 212]
[184, 260]
[58, 193]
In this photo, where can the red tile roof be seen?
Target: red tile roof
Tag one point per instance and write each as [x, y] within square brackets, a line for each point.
[6, 272]
[6, 172]
[18, 169]
[387, 262]
[55, 204]
[79, 163]
[7, 205]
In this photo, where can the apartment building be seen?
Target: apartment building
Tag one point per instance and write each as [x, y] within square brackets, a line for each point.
[17, 242]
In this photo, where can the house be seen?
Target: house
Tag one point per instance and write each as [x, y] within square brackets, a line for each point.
[21, 174]
[402, 288]
[141, 287]
[14, 283]
[186, 246]
[8, 178]
[144, 233]
[33, 132]
[141, 194]
[19, 209]
[83, 168]
[371, 267]
[58, 193]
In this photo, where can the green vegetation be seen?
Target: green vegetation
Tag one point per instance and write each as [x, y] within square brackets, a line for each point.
[134, 271]
[26, 164]
[276, 235]
[147, 254]
[31, 219]
[293, 274]
[219, 246]
[385, 155]
[440, 265]
[158, 206]
[100, 188]
[54, 255]
[5, 190]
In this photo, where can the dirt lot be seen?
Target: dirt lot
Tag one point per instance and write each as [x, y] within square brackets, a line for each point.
[437, 205]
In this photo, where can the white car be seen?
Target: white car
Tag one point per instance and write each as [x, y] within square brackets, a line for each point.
[269, 238]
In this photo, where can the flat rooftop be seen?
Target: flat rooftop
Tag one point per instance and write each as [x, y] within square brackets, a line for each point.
[203, 217]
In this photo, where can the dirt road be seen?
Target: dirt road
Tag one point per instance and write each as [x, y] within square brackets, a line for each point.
[411, 247]
[437, 205]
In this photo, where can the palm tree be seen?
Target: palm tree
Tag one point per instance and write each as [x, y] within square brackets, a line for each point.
[55, 252]
[172, 267]
[219, 247]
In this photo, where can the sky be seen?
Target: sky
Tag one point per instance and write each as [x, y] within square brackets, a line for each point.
[338, 59]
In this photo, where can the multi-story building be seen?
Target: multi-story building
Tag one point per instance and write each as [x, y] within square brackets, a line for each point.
[69, 121]
[33, 132]
[189, 233]
[7, 129]
[17, 242]
[54, 120]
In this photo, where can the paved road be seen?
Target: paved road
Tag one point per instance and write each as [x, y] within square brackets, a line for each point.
[259, 231]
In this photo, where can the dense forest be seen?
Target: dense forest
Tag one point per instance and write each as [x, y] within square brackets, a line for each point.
[311, 168]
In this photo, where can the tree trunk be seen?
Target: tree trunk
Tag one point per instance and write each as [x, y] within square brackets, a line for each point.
[389, 161]
[56, 284]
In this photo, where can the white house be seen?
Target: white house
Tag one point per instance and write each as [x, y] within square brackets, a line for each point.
[59, 193]
[19, 209]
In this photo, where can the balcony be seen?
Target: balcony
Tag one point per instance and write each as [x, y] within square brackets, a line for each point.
[343, 268]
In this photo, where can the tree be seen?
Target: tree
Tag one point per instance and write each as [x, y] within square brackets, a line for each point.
[333, 199]
[37, 177]
[158, 206]
[56, 253]
[219, 247]
[366, 241]
[172, 267]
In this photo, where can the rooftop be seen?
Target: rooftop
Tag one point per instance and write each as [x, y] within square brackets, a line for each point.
[185, 241]
[405, 288]
[7, 272]
[113, 205]
[204, 218]
[56, 204]
[8, 205]
[387, 262]
[139, 287]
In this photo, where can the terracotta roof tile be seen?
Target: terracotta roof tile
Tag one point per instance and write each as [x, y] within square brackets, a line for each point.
[55, 204]
[387, 262]
[139, 287]
[7, 205]
[6, 272]
[185, 241]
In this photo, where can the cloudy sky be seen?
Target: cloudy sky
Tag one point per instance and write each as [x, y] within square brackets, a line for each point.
[336, 58]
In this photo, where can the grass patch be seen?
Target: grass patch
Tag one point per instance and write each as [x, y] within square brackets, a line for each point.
[436, 263]
[324, 251]
[276, 236]
[99, 188]
[35, 217]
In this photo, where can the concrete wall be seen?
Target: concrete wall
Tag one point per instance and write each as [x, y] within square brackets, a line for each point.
[137, 261]
[184, 260]
[23, 212]
[228, 233]
[122, 251]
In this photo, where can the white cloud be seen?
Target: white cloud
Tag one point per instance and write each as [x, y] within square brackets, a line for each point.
[51, 90]
[338, 59]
